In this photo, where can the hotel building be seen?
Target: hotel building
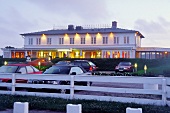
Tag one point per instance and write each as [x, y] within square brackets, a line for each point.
[81, 42]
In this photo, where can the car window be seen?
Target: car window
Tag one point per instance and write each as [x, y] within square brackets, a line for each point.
[22, 70]
[91, 63]
[77, 70]
[85, 64]
[58, 70]
[29, 69]
[77, 63]
[35, 69]
[125, 64]
[8, 69]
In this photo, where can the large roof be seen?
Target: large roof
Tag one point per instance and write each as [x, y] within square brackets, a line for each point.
[83, 31]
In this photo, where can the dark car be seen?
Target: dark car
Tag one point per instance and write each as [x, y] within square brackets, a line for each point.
[63, 62]
[63, 70]
[87, 65]
[124, 67]
[21, 68]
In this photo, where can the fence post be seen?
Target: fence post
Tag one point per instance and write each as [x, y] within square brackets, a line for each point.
[72, 87]
[13, 83]
[164, 97]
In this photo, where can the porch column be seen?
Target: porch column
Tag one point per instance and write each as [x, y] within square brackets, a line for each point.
[26, 54]
[120, 54]
[111, 54]
[103, 53]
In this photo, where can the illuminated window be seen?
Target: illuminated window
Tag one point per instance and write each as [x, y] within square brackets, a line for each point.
[93, 40]
[61, 40]
[49, 41]
[30, 42]
[71, 40]
[82, 40]
[38, 41]
[105, 40]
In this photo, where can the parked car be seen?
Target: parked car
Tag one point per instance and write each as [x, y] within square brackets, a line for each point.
[63, 62]
[63, 70]
[124, 67]
[87, 65]
[20, 68]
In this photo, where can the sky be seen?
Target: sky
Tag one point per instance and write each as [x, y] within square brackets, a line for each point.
[150, 17]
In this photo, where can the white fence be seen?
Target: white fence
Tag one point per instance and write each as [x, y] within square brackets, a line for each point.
[141, 90]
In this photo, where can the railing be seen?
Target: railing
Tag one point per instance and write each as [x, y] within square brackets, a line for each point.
[141, 90]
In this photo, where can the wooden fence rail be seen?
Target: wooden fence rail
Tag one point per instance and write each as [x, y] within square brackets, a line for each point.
[141, 90]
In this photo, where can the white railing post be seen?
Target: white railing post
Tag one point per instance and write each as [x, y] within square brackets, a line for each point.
[21, 107]
[72, 87]
[13, 83]
[164, 97]
[133, 110]
[74, 108]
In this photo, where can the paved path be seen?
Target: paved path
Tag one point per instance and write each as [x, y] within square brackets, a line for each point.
[32, 111]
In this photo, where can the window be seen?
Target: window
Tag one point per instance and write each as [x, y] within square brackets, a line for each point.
[126, 40]
[93, 40]
[38, 41]
[77, 70]
[105, 40]
[71, 40]
[116, 40]
[82, 40]
[29, 69]
[22, 70]
[61, 40]
[49, 41]
[30, 42]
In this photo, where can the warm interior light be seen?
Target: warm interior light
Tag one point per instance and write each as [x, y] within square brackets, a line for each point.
[111, 35]
[43, 37]
[77, 53]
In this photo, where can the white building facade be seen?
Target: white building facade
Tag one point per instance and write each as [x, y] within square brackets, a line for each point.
[78, 42]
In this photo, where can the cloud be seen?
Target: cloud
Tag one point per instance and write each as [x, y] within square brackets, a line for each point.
[161, 26]
[156, 32]
[73, 10]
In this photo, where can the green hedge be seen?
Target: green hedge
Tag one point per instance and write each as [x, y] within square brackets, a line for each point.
[88, 106]
[155, 66]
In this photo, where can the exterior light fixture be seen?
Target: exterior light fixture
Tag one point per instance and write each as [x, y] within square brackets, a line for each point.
[145, 68]
[136, 65]
[5, 63]
[39, 64]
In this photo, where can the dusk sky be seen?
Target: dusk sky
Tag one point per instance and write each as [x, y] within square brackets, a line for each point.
[150, 17]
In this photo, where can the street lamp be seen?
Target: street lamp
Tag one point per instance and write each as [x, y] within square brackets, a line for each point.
[145, 68]
[39, 64]
[136, 65]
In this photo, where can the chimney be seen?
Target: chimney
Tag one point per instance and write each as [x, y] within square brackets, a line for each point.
[70, 27]
[79, 27]
[114, 24]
